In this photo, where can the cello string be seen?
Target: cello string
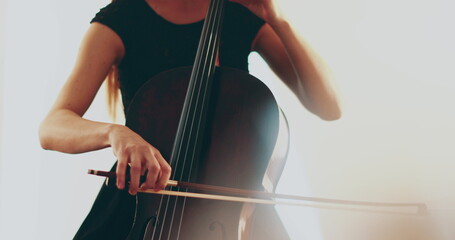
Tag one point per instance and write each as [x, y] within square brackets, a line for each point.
[193, 118]
[204, 85]
[207, 71]
[212, 53]
[177, 151]
[187, 127]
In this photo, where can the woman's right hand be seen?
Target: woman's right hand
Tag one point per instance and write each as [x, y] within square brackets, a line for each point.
[65, 130]
[131, 149]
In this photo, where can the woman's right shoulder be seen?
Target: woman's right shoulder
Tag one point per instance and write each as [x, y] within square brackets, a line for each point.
[114, 9]
[117, 15]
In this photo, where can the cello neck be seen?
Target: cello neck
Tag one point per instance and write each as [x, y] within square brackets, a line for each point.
[191, 127]
[204, 63]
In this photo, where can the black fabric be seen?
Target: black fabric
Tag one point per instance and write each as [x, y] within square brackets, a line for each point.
[153, 45]
[111, 216]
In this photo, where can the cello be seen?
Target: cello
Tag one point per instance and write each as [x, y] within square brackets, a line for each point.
[217, 126]
[231, 134]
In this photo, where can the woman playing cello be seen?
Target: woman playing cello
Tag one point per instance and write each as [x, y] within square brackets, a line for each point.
[141, 38]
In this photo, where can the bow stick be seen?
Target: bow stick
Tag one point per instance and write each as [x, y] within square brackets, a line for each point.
[251, 196]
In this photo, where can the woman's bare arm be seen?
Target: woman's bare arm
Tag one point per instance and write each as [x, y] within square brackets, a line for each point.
[299, 67]
[293, 60]
[65, 130]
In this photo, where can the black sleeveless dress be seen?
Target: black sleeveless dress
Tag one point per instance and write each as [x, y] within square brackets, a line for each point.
[153, 45]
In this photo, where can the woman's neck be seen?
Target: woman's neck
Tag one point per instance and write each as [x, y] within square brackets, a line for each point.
[180, 11]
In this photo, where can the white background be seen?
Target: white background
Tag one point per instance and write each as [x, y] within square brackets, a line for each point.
[393, 61]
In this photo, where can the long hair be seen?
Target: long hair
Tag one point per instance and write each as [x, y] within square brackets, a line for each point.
[112, 92]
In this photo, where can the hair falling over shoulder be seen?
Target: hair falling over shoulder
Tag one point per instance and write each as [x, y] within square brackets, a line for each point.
[112, 93]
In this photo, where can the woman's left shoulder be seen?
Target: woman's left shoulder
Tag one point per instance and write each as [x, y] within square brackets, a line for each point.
[242, 18]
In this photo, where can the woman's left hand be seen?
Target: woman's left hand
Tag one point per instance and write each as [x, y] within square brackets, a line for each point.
[265, 9]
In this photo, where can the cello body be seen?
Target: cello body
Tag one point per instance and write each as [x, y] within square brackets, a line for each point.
[244, 145]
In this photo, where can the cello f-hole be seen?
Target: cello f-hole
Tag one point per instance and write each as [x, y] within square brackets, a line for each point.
[217, 225]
